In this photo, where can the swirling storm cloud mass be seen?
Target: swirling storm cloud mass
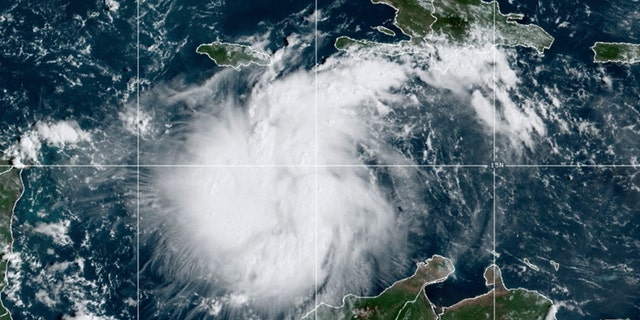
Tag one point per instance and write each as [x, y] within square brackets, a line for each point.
[273, 195]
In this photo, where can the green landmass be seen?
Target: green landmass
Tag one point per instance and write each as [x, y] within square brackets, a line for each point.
[412, 18]
[232, 55]
[356, 47]
[517, 304]
[406, 300]
[10, 192]
[616, 52]
[465, 22]
[418, 309]
[344, 43]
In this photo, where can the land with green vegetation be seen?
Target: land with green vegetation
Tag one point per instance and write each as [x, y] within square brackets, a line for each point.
[344, 43]
[616, 52]
[516, 304]
[412, 18]
[357, 47]
[406, 300]
[233, 55]
[10, 191]
[464, 22]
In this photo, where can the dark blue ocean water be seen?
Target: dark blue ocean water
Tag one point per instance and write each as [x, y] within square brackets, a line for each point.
[77, 60]
[87, 264]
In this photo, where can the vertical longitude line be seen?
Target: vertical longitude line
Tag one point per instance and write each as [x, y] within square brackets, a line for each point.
[315, 66]
[495, 8]
[494, 79]
[138, 159]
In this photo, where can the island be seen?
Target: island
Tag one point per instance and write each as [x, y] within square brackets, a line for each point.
[464, 22]
[618, 52]
[385, 30]
[10, 191]
[407, 300]
[233, 55]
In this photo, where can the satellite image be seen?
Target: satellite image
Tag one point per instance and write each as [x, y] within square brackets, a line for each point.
[320, 160]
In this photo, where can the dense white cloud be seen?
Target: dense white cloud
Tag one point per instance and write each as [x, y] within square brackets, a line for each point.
[59, 134]
[261, 220]
[273, 196]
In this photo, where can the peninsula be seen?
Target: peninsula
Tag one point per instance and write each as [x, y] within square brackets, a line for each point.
[407, 300]
[501, 303]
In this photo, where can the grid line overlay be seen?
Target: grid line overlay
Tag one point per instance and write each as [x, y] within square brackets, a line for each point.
[138, 159]
[417, 166]
[494, 252]
[138, 165]
[315, 169]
